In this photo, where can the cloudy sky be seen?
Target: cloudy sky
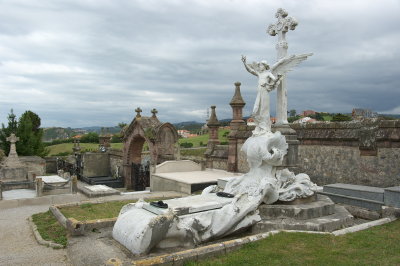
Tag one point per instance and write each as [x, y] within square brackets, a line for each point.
[92, 62]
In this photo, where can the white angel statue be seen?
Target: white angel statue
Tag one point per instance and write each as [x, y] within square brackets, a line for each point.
[268, 80]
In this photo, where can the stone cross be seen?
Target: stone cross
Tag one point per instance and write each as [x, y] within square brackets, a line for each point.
[154, 112]
[138, 111]
[280, 28]
[12, 160]
[12, 139]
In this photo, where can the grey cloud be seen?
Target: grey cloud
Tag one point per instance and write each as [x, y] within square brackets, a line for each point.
[183, 56]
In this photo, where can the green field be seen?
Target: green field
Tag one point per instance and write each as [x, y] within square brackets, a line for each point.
[64, 148]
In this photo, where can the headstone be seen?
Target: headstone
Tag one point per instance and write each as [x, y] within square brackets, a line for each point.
[12, 169]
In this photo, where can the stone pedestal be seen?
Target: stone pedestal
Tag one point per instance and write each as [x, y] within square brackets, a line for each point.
[13, 174]
[291, 159]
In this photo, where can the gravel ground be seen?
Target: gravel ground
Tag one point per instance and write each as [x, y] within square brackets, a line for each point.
[18, 246]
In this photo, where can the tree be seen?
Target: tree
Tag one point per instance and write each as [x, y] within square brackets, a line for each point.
[91, 137]
[5, 132]
[122, 125]
[30, 135]
[292, 113]
[340, 117]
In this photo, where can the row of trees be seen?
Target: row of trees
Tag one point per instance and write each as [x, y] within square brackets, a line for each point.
[27, 128]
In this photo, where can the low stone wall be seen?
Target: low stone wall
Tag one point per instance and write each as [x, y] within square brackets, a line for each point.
[217, 157]
[34, 164]
[364, 153]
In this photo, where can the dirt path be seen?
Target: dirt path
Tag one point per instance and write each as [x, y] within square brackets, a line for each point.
[18, 246]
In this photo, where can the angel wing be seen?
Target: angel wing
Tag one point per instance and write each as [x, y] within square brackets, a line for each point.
[286, 64]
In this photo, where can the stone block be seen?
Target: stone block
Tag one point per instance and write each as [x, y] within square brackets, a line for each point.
[322, 207]
[356, 191]
[392, 196]
[359, 202]
[178, 166]
[96, 164]
[340, 219]
[13, 174]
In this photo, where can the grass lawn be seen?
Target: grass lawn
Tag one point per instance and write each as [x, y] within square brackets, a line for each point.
[49, 228]
[198, 152]
[62, 149]
[375, 246]
[67, 147]
[327, 117]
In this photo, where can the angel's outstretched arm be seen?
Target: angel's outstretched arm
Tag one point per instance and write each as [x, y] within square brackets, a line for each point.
[249, 69]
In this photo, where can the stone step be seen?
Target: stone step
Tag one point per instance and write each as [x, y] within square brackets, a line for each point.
[354, 201]
[323, 206]
[356, 191]
[340, 219]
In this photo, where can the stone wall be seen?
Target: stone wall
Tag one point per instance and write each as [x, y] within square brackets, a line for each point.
[96, 164]
[35, 164]
[363, 152]
[217, 157]
[51, 164]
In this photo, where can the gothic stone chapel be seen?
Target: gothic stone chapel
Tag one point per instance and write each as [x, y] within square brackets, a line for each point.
[160, 138]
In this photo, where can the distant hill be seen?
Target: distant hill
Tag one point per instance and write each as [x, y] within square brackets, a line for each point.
[54, 133]
[390, 115]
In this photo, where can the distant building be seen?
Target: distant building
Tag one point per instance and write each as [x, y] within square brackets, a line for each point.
[186, 134]
[360, 113]
[307, 113]
[305, 120]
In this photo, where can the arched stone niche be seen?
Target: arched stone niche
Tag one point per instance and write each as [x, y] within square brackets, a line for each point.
[160, 137]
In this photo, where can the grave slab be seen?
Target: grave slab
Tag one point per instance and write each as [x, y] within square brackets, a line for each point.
[356, 191]
[392, 196]
[191, 204]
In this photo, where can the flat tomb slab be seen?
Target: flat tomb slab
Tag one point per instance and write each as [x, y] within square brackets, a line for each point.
[19, 194]
[356, 191]
[195, 177]
[98, 191]
[392, 196]
[52, 179]
[187, 182]
[191, 204]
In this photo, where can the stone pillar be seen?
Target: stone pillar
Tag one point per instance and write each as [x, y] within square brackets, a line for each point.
[1, 190]
[237, 103]
[213, 126]
[39, 187]
[74, 184]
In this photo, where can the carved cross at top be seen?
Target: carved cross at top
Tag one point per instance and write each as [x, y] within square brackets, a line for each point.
[138, 111]
[283, 25]
[154, 112]
[12, 138]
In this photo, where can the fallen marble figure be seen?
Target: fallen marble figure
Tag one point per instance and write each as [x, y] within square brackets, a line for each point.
[196, 219]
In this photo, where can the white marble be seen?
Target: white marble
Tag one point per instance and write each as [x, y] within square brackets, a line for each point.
[193, 220]
[280, 28]
[98, 188]
[19, 194]
[52, 179]
[269, 77]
